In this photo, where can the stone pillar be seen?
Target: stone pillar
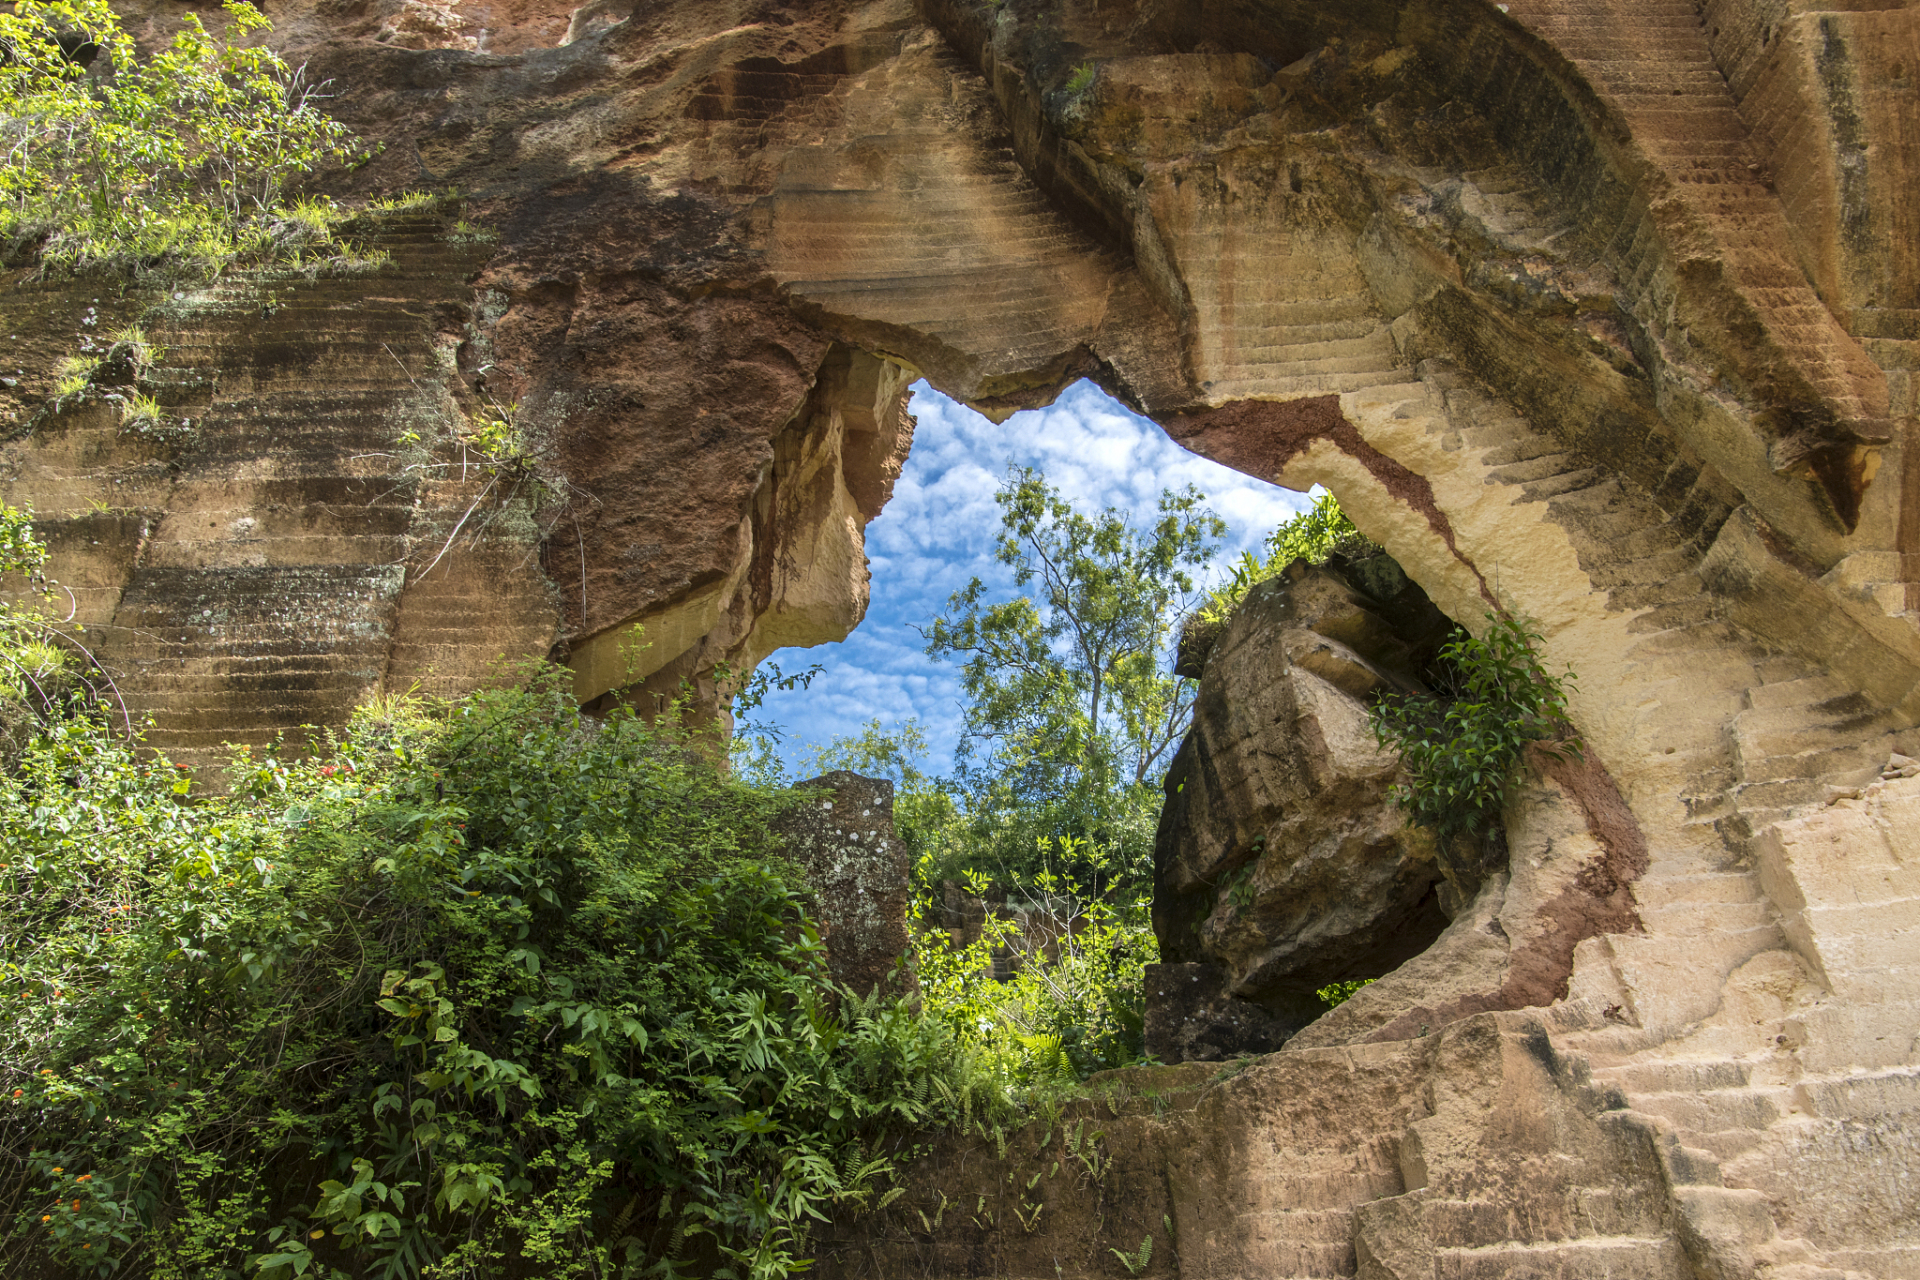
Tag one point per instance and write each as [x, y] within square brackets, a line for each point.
[859, 872]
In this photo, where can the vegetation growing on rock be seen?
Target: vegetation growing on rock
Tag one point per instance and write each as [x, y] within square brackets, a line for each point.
[111, 160]
[1458, 749]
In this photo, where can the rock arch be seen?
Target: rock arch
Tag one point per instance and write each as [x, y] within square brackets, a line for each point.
[1599, 313]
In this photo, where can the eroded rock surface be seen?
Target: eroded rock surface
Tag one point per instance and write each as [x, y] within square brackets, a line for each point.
[1281, 860]
[1601, 314]
[860, 875]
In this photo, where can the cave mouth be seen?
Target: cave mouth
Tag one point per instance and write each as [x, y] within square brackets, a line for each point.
[1380, 902]
[937, 531]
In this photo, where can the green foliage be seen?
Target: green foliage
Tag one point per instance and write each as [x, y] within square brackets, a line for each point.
[1313, 536]
[40, 664]
[497, 436]
[1075, 1001]
[1458, 751]
[141, 414]
[1042, 673]
[119, 161]
[1082, 78]
[1335, 994]
[480, 988]
[74, 374]
[1137, 1261]
[1052, 810]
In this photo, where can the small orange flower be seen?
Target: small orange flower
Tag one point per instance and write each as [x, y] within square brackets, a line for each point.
[18, 1092]
[58, 1169]
[76, 1206]
[85, 1177]
[46, 1217]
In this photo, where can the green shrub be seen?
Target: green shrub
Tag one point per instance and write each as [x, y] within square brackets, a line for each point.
[479, 987]
[1058, 1018]
[1458, 750]
[117, 161]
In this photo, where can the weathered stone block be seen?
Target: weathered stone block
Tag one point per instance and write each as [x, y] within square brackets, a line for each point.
[860, 873]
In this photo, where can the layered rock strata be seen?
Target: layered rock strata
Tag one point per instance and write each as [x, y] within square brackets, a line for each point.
[1603, 315]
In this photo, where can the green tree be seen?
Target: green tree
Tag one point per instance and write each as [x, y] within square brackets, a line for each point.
[1070, 706]
[1067, 685]
[116, 158]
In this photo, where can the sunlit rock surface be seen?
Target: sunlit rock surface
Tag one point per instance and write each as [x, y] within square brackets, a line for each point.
[1601, 314]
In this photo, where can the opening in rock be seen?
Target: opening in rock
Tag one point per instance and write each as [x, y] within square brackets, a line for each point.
[1278, 863]
[938, 531]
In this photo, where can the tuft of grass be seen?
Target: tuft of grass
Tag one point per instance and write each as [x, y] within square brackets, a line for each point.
[140, 349]
[353, 262]
[465, 232]
[317, 215]
[73, 374]
[401, 201]
[1082, 78]
[141, 413]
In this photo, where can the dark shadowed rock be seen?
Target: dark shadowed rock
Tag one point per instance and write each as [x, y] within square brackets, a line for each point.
[859, 872]
[1191, 1018]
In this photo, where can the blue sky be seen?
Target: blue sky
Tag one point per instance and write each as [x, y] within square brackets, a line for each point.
[938, 532]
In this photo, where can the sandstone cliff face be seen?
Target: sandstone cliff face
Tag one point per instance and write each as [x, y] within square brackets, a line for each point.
[1602, 314]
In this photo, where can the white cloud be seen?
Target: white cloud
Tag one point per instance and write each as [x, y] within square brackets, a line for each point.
[939, 529]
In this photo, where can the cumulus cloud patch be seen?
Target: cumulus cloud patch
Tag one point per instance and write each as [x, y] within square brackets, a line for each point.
[939, 530]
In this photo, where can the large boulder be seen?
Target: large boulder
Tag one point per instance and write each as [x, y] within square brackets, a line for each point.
[1282, 863]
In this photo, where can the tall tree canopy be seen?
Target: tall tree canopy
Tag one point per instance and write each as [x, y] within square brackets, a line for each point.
[1067, 686]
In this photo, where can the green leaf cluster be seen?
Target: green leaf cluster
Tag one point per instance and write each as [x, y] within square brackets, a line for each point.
[114, 159]
[1074, 1002]
[480, 988]
[1313, 536]
[1458, 749]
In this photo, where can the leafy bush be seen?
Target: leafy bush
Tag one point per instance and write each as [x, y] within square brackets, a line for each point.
[1313, 535]
[1075, 1002]
[1458, 750]
[478, 987]
[119, 161]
